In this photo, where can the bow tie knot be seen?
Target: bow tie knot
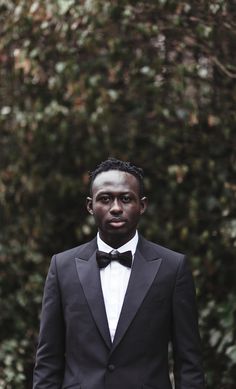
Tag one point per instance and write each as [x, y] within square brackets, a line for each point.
[103, 259]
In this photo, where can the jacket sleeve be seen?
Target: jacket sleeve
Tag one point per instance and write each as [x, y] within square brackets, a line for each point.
[188, 371]
[49, 366]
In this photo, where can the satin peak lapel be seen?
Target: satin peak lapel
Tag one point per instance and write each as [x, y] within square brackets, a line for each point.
[89, 277]
[141, 278]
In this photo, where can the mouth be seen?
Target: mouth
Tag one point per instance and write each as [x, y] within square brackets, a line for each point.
[117, 223]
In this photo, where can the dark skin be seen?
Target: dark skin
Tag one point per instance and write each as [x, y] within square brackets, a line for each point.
[116, 206]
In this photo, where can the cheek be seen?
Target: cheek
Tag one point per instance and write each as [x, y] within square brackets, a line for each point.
[134, 214]
[99, 213]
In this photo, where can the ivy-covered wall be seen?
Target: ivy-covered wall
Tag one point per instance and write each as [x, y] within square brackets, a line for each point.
[153, 82]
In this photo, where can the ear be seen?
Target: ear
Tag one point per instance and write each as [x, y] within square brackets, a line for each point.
[89, 205]
[143, 202]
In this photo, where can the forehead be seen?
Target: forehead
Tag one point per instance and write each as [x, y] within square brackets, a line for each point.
[115, 180]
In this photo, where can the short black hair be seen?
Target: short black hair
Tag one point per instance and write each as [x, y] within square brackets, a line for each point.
[123, 166]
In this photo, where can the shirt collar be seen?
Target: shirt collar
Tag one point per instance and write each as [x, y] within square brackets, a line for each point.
[130, 245]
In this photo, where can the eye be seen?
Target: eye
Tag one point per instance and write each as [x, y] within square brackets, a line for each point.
[126, 198]
[104, 199]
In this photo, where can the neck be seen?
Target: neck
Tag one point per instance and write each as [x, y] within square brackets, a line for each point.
[116, 241]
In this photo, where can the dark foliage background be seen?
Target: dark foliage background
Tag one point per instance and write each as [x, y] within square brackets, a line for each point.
[148, 81]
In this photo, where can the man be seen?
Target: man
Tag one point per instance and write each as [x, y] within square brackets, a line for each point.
[106, 325]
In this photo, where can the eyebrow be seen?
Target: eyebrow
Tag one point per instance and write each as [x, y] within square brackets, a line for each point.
[107, 192]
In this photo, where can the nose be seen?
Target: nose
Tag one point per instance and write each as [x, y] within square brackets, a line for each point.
[116, 207]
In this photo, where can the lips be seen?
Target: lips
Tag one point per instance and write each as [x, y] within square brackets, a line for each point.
[117, 223]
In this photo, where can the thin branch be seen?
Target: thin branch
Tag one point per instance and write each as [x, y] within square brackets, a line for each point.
[223, 68]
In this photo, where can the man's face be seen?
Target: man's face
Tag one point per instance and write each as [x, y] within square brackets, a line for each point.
[116, 206]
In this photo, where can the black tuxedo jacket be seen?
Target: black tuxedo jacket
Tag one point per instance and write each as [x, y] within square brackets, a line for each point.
[75, 350]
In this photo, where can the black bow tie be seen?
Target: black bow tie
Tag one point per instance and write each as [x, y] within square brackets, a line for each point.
[103, 259]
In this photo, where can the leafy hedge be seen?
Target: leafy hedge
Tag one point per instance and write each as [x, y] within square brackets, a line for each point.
[147, 81]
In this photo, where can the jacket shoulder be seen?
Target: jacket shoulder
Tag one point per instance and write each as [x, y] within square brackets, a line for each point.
[154, 249]
[77, 251]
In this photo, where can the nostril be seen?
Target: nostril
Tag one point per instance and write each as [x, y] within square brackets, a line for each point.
[115, 210]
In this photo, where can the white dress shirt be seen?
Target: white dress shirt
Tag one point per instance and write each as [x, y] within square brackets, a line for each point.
[114, 281]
